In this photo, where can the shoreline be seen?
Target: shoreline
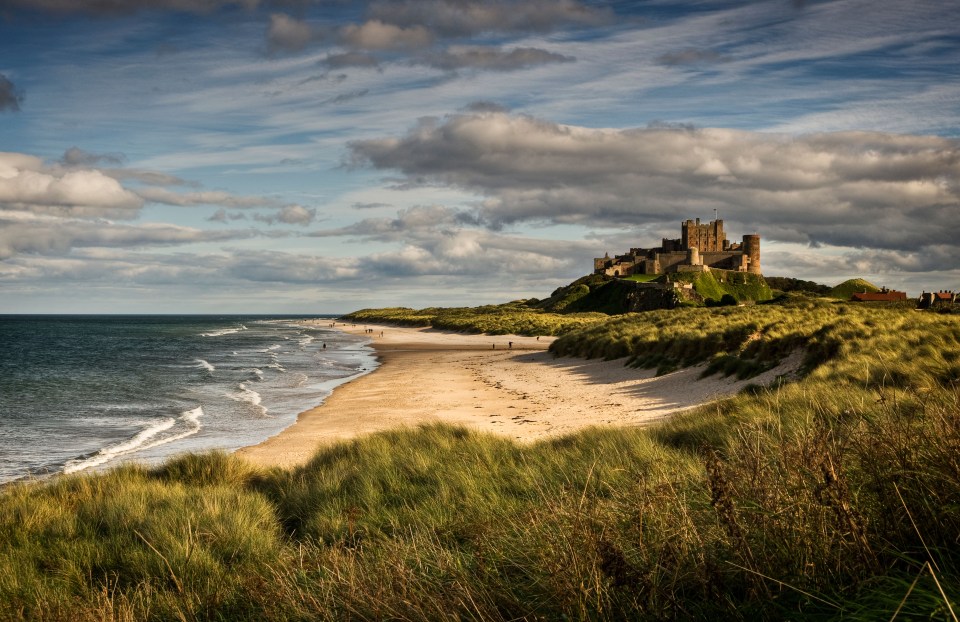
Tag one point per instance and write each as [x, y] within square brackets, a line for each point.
[426, 375]
[386, 397]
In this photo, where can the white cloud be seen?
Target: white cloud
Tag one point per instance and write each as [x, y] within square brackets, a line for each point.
[288, 34]
[58, 236]
[290, 215]
[204, 197]
[439, 241]
[26, 183]
[75, 189]
[377, 35]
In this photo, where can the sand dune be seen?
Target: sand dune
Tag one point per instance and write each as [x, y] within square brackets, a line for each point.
[522, 392]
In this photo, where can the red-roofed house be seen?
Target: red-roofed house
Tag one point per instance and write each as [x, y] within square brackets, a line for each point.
[936, 299]
[884, 295]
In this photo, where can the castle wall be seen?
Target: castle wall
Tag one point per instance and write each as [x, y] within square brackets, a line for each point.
[729, 260]
[671, 246]
[670, 261]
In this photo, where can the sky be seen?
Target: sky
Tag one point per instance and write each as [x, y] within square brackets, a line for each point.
[320, 156]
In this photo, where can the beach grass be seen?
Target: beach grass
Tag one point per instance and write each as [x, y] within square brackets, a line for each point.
[834, 495]
[515, 318]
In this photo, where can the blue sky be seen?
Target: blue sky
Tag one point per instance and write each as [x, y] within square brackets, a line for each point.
[301, 156]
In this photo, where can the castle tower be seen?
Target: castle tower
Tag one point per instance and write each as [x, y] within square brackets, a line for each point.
[708, 238]
[751, 249]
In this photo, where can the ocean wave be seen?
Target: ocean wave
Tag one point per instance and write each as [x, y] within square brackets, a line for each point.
[145, 439]
[300, 380]
[275, 362]
[224, 331]
[202, 364]
[248, 395]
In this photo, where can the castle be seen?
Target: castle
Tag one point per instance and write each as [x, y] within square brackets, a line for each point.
[700, 248]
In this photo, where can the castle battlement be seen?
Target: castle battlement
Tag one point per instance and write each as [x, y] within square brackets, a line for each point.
[699, 248]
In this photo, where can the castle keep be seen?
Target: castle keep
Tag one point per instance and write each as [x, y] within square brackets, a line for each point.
[699, 248]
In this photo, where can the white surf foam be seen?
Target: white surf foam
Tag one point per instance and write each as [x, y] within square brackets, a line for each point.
[248, 395]
[145, 439]
[205, 365]
[224, 331]
[275, 362]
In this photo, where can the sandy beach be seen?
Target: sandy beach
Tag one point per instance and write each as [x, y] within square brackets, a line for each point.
[480, 381]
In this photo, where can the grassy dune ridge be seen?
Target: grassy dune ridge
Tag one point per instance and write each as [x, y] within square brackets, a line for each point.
[833, 496]
[514, 318]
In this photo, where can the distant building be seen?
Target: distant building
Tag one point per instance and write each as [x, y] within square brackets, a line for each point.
[884, 295]
[699, 248]
[942, 298]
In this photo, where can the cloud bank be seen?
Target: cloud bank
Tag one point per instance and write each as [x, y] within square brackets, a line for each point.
[389, 29]
[55, 208]
[21, 234]
[850, 189]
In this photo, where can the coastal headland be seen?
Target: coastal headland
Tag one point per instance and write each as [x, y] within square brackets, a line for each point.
[505, 384]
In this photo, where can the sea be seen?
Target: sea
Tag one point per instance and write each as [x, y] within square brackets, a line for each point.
[84, 393]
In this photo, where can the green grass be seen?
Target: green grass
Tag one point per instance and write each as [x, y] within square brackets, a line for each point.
[516, 318]
[643, 278]
[848, 288]
[786, 284]
[669, 339]
[714, 284]
[836, 496]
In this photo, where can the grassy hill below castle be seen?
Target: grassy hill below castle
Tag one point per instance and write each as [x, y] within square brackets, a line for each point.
[586, 300]
[714, 285]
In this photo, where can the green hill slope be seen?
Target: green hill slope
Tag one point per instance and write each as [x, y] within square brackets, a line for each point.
[787, 284]
[576, 296]
[848, 288]
[603, 294]
[715, 284]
